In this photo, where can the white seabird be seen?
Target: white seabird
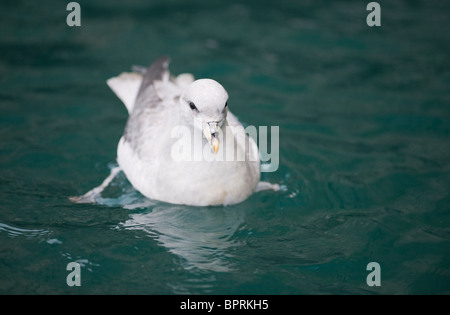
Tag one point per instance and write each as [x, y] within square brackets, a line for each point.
[175, 144]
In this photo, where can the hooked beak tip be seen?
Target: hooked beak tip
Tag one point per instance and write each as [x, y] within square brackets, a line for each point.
[215, 145]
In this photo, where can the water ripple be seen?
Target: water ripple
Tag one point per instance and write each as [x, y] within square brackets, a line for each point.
[12, 231]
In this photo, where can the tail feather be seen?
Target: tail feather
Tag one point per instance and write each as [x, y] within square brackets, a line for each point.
[126, 87]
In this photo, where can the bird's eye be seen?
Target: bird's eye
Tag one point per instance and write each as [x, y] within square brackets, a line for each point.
[192, 106]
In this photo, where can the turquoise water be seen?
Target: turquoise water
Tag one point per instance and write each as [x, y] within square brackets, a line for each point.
[364, 118]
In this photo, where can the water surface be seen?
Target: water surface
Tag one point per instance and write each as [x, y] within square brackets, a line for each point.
[364, 117]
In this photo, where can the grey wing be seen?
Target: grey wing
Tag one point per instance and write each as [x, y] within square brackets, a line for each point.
[145, 110]
[156, 71]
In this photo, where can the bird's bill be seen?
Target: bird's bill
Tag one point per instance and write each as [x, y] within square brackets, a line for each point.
[212, 135]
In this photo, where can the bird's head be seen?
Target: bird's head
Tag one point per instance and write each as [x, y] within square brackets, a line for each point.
[204, 104]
